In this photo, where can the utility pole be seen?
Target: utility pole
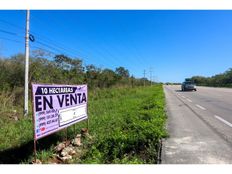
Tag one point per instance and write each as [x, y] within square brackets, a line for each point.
[156, 79]
[151, 75]
[26, 64]
[144, 76]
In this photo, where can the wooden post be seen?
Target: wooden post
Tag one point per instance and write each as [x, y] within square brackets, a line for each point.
[35, 155]
[88, 124]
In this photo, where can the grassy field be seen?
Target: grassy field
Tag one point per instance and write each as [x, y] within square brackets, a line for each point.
[126, 125]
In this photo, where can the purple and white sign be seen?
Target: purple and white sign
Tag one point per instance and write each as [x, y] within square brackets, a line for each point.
[57, 107]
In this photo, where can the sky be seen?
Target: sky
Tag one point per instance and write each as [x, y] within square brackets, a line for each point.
[170, 45]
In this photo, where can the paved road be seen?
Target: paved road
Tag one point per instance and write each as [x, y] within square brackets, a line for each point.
[199, 125]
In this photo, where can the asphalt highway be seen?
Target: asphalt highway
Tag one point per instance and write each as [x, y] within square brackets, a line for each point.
[199, 125]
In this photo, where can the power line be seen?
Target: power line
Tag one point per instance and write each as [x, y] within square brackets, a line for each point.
[10, 33]
[62, 47]
[151, 69]
[11, 24]
[40, 21]
[12, 40]
[21, 42]
[58, 47]
[100, 53]
[137, 55]
[22, 28]
[53, 45]
[97, 51]
[43, 49]
[48, 46]
[7, 32]
[60, 50]
[144, 77]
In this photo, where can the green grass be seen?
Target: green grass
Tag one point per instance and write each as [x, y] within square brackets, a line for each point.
[126, 123]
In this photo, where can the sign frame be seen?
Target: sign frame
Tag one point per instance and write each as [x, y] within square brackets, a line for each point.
[61, 128]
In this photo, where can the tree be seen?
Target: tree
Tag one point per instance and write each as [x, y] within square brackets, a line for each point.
[72, 69]
[122, 72]
[107, 78]
[93, 76]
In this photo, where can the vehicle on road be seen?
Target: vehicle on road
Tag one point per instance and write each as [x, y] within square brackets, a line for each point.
[188, 86]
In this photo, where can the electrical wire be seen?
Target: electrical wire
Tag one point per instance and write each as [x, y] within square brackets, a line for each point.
[60, 50]
[97, 51]
[43, 49]
[21, 28]
[7, 32]
[52, 45]
[56, 43]
[16, 41]
[13, 25]
[109, 58]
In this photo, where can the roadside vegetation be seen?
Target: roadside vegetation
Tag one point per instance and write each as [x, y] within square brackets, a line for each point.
[129, 127]
[126, 126]
[218, 80]
[126, 119]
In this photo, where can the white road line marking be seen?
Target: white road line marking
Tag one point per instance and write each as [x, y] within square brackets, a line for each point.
[222, 120]
[189, 100]
[201, 107]
[183, 96]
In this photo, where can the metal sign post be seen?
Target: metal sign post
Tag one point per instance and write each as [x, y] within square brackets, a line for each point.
[33, 119]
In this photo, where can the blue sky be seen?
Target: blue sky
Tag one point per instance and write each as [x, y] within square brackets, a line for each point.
[174, 44]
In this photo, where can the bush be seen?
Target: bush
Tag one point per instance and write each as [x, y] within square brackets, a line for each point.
[131, 124]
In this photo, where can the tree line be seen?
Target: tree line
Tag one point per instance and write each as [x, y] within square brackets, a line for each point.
[218, 80]
[62, 69]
